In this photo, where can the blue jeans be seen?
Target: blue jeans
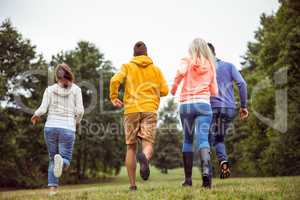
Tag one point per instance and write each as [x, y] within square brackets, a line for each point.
[195, 118]
[59, 141]
[220, 126]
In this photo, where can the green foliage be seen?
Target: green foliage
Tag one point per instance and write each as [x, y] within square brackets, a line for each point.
[23, 155]
[257, 149]
[20, 163]
[167, 151]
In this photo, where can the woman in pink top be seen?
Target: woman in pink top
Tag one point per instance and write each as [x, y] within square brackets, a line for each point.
[198, 73]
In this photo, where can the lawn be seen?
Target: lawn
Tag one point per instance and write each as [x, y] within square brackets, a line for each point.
[162, 186]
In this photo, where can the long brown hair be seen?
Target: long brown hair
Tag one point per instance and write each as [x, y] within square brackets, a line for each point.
[63, 71]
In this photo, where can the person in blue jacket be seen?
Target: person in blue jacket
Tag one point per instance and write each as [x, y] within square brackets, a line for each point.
[224, 109]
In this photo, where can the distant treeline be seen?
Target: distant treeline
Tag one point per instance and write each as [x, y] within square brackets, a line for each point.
[256, 148]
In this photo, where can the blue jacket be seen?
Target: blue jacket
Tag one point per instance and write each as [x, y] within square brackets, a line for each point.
[226, 75]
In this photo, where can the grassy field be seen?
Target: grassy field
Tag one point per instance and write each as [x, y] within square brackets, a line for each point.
[168, 187]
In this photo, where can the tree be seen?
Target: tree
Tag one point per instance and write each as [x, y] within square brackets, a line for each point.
[23, 156]
[167, 150]
[24, 76]
[258, 149]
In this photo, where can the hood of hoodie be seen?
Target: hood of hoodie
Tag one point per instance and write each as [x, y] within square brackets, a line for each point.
[60, 91]
[142, 61]
[200, 66]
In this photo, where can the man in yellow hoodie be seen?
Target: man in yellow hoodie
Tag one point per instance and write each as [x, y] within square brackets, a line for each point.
[144, 85]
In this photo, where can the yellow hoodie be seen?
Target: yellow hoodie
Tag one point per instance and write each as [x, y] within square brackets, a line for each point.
[144, 85]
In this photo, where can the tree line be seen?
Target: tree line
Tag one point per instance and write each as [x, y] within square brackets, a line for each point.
[255, 148]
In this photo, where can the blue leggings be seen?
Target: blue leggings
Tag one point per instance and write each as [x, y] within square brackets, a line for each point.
[220, 127]
[195, 118]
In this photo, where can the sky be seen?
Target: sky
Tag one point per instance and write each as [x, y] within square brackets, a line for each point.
[166, 26]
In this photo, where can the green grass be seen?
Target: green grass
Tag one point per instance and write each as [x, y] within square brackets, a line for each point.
[168, 186]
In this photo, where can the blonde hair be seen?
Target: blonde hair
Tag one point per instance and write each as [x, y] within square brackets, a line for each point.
[63, 71]
[200, 50]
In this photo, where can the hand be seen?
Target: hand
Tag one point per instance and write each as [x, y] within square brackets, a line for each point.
[117, 103]
[173, 91]
[78, 125]
[35, 119]
[243, 113]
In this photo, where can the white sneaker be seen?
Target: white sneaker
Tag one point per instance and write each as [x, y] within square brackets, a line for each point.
[58, 165]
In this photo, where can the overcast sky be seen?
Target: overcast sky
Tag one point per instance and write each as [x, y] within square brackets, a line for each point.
[166, 26]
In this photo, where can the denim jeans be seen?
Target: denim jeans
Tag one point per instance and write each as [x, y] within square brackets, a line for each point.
[195, 118]
[59, 141]
[220, 126]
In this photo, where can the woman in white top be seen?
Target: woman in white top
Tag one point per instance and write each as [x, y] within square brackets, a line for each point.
[63, 102]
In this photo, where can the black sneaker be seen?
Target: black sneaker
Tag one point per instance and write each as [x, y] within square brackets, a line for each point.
[144, 166]
[224, 169]
[133, 188]
[206, 181]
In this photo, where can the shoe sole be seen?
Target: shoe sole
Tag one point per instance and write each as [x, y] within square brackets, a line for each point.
[225, 171]
[58, 165]
[144, 167]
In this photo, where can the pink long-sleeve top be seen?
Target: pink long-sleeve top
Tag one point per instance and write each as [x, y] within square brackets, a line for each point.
[199, 80]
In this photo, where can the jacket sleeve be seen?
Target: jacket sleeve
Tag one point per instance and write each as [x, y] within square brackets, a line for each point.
[163, 86]
[214, 84]
[44, 105]
[179, 75]
[242, 85]
[115, 82]
[79, 109]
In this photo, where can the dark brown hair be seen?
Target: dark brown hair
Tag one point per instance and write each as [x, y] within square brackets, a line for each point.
[63, 71]
[212, 48]
[139, 49]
